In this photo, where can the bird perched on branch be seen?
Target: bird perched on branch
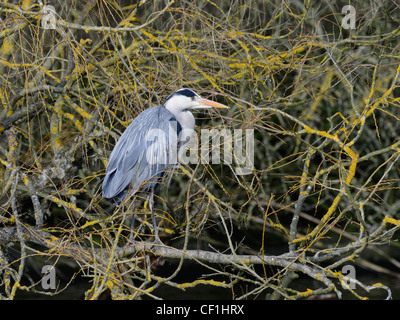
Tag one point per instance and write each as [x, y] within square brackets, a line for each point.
[151, 145]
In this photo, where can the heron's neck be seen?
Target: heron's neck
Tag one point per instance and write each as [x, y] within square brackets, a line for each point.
[185, 118]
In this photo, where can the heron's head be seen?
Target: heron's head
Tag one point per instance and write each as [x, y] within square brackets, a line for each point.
[186, 99]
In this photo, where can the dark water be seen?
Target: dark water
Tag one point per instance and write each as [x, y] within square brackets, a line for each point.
[203, 292]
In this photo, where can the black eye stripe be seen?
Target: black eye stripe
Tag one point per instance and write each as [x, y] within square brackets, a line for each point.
[184, 92]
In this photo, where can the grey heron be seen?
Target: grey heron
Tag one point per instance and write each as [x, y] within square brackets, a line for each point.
[149, 146]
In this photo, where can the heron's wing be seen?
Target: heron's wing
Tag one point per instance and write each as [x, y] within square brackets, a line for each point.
[145, 149]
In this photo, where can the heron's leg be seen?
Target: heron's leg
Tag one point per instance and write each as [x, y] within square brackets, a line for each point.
[151, 205]
[132, 234]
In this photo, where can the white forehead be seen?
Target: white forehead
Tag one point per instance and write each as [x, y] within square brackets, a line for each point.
[178, 101]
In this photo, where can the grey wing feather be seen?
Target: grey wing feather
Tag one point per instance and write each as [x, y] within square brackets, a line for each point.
[141, 154]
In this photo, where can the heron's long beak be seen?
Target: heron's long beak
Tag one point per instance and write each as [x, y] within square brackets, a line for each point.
[204, 103]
